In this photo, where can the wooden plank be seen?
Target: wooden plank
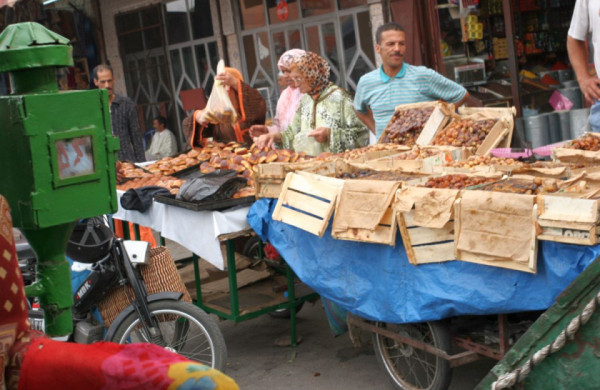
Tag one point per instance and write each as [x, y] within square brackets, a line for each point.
[570, 209]
[580, 235]
[321, 186]
[307, 203]
[533, 249]
[421, 235]
[495, 136]
[434, 253]
[406, 239]
[269, 189]
[481, 259]
[566, 224]
[300, 220]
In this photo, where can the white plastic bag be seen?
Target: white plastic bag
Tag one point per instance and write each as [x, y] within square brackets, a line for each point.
[218, 107]
[308, 144]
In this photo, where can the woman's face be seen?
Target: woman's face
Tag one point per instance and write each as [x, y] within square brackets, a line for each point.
[286, 76]
[298, 80]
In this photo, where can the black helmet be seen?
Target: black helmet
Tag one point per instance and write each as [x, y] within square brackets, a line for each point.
[90, 241]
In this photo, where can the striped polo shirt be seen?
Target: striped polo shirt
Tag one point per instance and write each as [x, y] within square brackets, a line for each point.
[413, 84]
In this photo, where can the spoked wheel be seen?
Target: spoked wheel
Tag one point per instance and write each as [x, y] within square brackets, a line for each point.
[185, 329]
[410, 368]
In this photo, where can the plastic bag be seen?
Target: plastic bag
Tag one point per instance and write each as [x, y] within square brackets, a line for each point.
[217, 185]
[218, 107]
[307, 144]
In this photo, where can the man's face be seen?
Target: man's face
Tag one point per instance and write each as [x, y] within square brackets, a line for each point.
[157, 125]
[105, 81]
[298, 80]
[392, 48]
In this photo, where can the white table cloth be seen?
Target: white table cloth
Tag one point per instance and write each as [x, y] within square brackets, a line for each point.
[197, 231]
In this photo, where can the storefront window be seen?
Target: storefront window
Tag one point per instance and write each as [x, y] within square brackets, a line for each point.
[201, 19]
[345, 4]
[281, 11]
[177, 22]
[317, 7]
[252, 13]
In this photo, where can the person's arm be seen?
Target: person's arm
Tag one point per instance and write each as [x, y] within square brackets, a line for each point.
[463, 100]
[578, 56]
[367, 119]
[135, 135]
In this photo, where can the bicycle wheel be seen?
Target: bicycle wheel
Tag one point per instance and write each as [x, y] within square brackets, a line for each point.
[410, 368]
[185, 329]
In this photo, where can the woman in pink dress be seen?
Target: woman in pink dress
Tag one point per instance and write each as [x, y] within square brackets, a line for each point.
[288, 100]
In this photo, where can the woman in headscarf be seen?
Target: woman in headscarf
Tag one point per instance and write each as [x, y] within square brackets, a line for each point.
[325, 120]
[248, 103]
[288, 100]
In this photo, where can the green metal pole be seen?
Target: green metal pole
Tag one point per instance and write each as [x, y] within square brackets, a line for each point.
[53, 285]
[232, 276]
[289, 274]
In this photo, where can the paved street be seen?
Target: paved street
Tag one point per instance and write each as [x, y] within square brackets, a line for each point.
[320, 362]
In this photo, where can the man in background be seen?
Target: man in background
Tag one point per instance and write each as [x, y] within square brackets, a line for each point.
[586, 18]
[396, 82]
[163, 142]
[123, 117]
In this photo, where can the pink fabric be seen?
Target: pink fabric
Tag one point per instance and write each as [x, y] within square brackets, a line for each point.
[286, 109]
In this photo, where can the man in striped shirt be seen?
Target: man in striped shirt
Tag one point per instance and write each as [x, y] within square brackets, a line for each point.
[396, 82]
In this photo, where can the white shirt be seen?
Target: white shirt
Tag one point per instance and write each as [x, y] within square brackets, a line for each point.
[163, 145]
[586, 19]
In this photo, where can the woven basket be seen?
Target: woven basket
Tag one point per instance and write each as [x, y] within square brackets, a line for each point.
[159, 275]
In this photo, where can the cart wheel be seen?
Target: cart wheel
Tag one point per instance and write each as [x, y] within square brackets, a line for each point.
[410, 368]
[251, 247]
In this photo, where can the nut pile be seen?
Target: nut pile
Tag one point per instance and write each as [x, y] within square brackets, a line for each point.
[585, 142]
[476, 161]
[417, 154]
[405, 126]
[464, 132]
[356, 153]
[457, 181]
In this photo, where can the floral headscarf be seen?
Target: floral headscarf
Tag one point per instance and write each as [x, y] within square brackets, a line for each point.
[315, 70]
[287, 58]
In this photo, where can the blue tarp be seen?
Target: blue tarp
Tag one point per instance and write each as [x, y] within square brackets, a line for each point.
[377, 282]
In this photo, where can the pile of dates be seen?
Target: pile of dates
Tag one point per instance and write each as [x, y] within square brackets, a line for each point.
[520, 186]
[376, 175]
[585, 142]
[464, 132]
[405, 126]
[457, 181]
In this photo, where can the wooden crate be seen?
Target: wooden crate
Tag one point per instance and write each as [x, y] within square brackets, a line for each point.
[269, 177]
[438, 119]
[495, 140]
[502, 223]
[568, 219]
[426, 245]
[307, 201]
